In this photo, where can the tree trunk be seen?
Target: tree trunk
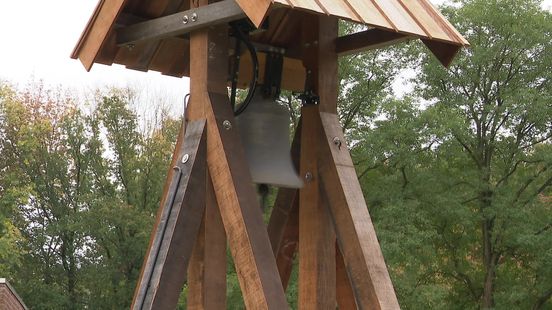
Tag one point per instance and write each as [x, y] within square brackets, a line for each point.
[489, 255]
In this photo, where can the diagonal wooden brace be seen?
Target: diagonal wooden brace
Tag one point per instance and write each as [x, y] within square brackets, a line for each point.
[283, 227]
[353, 226]
[164, 271]
[241, 214]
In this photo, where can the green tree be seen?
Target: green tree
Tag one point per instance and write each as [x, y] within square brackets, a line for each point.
[82, 191]
[456, 175]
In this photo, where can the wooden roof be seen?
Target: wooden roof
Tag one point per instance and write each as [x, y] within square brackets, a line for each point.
[415, 17]
[392, 19]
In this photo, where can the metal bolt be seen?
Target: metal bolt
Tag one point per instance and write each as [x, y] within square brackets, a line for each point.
[185, 19]
[185, 158]
[337, 142]
[194, 17]
[227, 125]
[308, 176]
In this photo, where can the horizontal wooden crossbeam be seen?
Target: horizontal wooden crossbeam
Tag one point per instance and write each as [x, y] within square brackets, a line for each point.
[367, 40]
[180, 23]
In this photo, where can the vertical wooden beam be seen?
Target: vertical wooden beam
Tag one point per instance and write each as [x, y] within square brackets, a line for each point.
[215, 253]
[196, 294]
[240, 210]
[320, 58]
[316, 236]
[164, 273]
[355, 231]
[207, 283]
[344, 291]
[207, 269]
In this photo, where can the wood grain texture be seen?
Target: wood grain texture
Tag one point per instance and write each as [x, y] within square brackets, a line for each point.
[320, 58]
[344, 291]
[285, 198]
[207, 269]
[215, 253]
[289, 243]
[172, 25]
[354, 229]
[256, 10]
[370, 12]
[241, 214]
[316, 235]
[97, 30]
[207, 288]
[366, 40]
[417, 18]
[177, 153]
[283, 226]
[196, 272]
[293, 72]
[399, 16]
[445, 53]
[165, 267]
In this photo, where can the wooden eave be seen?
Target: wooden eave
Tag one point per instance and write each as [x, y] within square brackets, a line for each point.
[389, 21]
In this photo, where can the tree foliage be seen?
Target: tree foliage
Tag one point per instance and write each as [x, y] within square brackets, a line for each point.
[85, 188]
[459, 182]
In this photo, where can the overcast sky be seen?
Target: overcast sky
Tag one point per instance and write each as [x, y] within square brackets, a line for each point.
[36, 40]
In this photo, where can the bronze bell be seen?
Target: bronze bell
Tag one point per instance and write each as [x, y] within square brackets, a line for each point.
[264, 129]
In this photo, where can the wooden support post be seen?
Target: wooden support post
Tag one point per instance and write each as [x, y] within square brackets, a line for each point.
[320, 59]
[235, 194]
[196, 294]
[316, 235]
[207, 283]
[207, 269]
[164, 271]
[355, 231]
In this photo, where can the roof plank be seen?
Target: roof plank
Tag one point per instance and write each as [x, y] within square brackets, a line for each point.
[339, 8]
[97, 31]
[426, 21]
[370, 12]
[310, 5]
[400, 18]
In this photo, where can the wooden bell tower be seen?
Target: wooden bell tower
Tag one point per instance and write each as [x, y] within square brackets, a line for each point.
[209, 201]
